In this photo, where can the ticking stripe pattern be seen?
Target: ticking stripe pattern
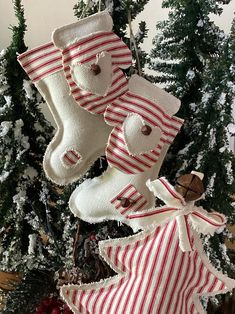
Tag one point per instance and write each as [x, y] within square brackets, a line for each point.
[41, 62]
[155, 277]
[85, 51]
[138, 201]
[117, 152]
[70, 158]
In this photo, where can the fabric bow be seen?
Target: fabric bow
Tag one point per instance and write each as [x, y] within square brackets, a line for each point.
[187, 215]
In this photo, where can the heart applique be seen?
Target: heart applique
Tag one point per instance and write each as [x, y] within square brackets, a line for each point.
[140, 137]
[94, 77]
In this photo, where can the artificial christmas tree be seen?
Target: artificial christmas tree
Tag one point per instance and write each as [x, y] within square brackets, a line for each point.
[42, 235]
[201, 74]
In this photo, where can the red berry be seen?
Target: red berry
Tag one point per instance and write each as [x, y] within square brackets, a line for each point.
[93, 236]
[40, 310]
[56, 310]
[46, 302]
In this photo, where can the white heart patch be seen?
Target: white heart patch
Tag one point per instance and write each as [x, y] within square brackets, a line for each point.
[136, 141]
[95, 83]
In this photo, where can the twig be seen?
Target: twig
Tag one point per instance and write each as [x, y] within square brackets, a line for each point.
[132, 38]
[76, 239]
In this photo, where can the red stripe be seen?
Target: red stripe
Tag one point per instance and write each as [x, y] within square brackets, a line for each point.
[124, 257]
[171, 191]
[129, 207]
[119, 55]
[116, 259]
[35, 69]
[74, 154]
[98, 297]
[45, 55]
[74, 296]
[129, 196]
[188, 230]
[89, 298]
[133, 110]
[82, 52]
[109, 251]
[127, 188]
[118, 165]
[145, 106]
[82, 295]
[105, 298]
[35, 50]
[69, 159]
[165, 288]
[128, 162]
[162, 267]
[137, 268]
[193, 287]
[154, 212]
[207, 220]
[113, 144]
[158, 107]
[187, 288]
[185, 280]
[140, 206]
[121, 281]
[119, 139]
[55, 69]
[219, 216]
[174, 293]
[146, 265]
[87, 40]
[118, 88]
[100, 98]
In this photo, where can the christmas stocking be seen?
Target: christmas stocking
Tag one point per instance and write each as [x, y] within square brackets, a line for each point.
[92, 55]
[74, 147]
[143, 123]
[120, 189]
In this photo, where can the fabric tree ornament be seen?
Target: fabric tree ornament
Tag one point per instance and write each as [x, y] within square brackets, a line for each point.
[154, 275]
[143, 123]
[74, 147]
[117, 192]
[92, 58]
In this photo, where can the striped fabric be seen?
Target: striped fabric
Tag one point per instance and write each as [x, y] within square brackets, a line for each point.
[41, 62]
[85, 51]
[131, 193]
[70, 158]
[117, 152]
[154, 277]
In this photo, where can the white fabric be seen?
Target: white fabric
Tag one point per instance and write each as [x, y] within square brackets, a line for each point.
[75, 131]
[142, 87]
[136, 142]
[68, 34]
[97, 84]
[100, 192]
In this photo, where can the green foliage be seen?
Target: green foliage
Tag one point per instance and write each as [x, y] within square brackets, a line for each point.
[34, 287]
[187, 40]
[198, 68]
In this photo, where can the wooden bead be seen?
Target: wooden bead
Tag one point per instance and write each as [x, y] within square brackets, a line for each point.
[146, 129]
[125, 202]
[190, 187]
[95, 68]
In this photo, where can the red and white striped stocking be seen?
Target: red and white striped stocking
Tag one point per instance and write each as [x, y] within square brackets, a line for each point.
[143, 123]
[92, 58]
[68, 156]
